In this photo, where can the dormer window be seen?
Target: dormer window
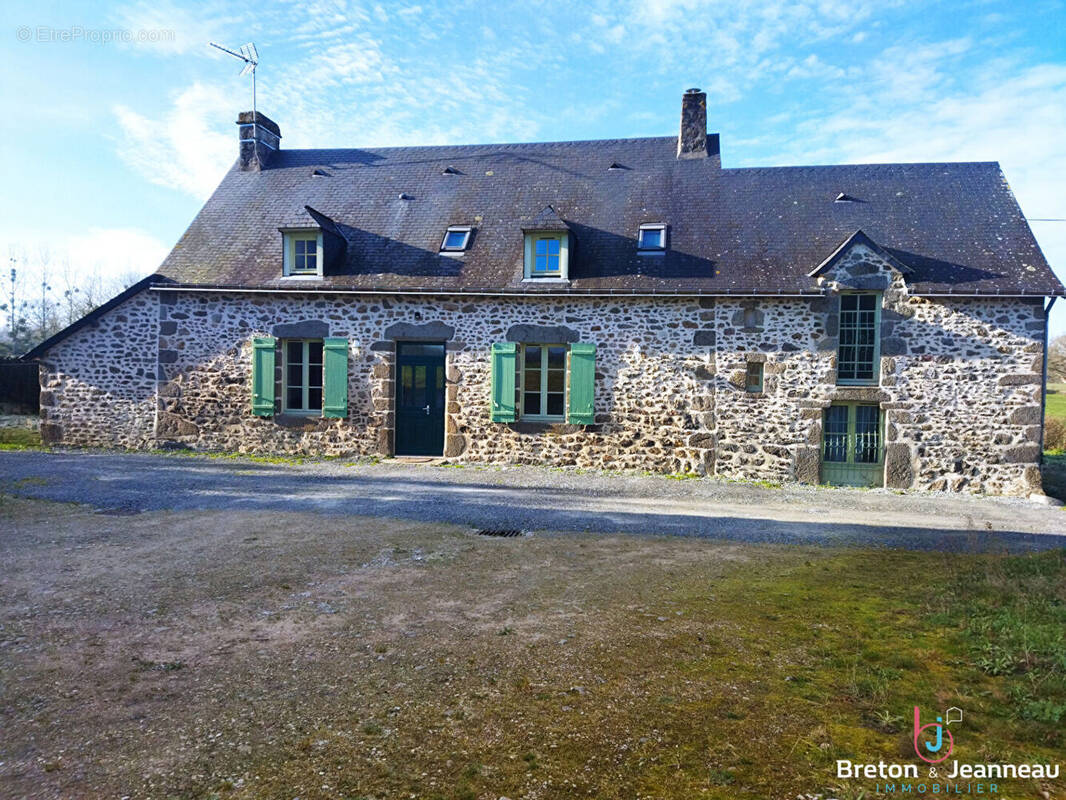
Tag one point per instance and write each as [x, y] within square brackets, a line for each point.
[456, 239]
[547, 255]
[303, 253]
[547, 247]
[651, 238]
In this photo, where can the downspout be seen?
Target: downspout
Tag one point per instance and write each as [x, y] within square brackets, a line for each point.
[1043, 385]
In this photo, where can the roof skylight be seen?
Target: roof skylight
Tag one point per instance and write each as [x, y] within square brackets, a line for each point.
[651, 238]
[456, 239]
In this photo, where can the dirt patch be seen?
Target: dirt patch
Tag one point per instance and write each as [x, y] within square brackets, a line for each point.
[280, 655]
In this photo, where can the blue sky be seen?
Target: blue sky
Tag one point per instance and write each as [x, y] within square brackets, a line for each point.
[111, 141]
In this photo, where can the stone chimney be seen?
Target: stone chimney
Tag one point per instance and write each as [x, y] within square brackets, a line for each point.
[259, 138]
[692, 141]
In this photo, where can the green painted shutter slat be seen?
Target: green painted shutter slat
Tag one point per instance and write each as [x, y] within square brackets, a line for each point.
[263, 376]
[582, 383]
[504, 356]
[335, 378]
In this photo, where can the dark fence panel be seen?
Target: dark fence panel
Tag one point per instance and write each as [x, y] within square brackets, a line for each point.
[20, 388]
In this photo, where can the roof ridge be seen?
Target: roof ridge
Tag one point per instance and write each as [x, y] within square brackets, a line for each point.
[560, 143]
[865, 165]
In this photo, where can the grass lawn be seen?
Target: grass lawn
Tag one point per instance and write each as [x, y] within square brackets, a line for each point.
[1056, 400]
[256, 655]
[1054, 468]
[16, 438]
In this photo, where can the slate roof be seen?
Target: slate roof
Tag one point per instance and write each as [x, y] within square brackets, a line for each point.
[956, 227]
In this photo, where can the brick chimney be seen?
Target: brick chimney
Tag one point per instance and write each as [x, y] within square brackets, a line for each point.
[692, 141]
[259, 139]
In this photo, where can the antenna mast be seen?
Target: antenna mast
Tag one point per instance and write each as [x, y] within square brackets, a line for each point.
[250, 56]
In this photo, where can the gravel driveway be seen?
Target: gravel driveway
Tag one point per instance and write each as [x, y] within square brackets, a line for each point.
[534, 498]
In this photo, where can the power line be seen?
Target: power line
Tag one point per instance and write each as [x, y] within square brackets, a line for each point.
[1045, 219]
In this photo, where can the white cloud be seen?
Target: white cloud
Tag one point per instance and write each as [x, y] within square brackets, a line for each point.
[354, 92]
[101, 256]
[115, 252]
[183, 29]
[1015, 118]
[183, 147]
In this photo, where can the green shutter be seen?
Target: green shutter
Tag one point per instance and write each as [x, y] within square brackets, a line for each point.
[335, 377]
[582, 383]
[503, 372]
[263, 376]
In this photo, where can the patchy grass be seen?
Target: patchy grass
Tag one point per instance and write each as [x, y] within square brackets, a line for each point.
[255, 458]
[18, 438]
[279, 655]
[1013, 614]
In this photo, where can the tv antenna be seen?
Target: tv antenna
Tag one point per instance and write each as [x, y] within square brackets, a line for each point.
[250, 56]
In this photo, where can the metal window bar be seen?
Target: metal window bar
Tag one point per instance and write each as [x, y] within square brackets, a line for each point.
[852, 452]
[836, 434]
[867, 434]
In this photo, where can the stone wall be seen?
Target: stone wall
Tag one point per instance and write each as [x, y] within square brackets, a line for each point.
[762, 436]
[652, 381]
[98, 385]
[959, 384]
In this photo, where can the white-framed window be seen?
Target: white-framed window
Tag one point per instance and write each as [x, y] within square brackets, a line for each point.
[651, 238]
[302, 372]
[456, 239]
[303, 252]
[540, 382]
[547, 255]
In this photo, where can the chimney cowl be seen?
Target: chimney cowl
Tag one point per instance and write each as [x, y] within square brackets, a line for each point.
[692, 140]
[259, 137]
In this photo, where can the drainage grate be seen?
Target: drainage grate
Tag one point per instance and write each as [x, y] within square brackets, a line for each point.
[500, 533]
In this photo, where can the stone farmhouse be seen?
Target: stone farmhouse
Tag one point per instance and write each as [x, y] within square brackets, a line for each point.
[617, 304]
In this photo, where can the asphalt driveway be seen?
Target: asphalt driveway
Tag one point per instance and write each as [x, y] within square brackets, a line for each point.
[534, 498]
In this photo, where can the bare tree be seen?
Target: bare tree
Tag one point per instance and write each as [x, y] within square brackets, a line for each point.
[1056, 359]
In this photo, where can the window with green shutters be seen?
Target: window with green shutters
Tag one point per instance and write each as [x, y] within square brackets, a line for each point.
[314, 376]
[543, 382]
[858, 353]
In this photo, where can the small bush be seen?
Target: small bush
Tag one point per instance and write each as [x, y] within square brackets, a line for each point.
[1055, 434]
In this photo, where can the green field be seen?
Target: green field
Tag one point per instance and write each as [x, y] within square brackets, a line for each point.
[1056, 400]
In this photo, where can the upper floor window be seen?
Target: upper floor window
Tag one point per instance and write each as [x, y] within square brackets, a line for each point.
[456, 239]
[651, 238]
[303, 253]
[858, 352]
[547, 255]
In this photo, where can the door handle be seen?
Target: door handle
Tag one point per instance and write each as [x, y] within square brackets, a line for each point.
[426, 409]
